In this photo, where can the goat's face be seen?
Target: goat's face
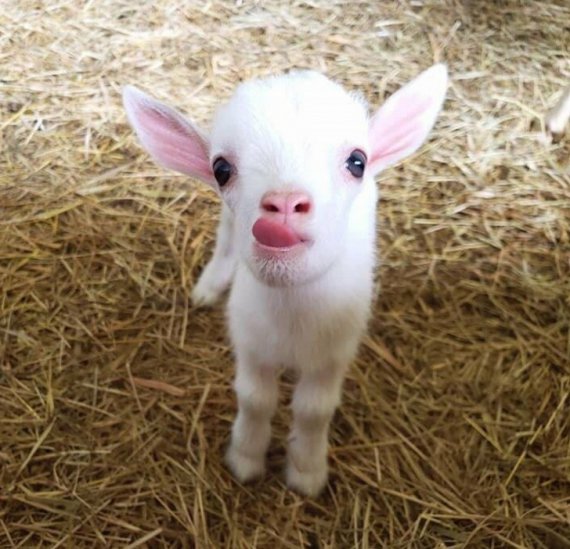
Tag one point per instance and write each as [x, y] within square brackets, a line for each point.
[289, 155]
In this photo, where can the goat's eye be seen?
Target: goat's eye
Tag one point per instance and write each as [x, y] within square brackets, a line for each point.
[356, 163]
[222, 170]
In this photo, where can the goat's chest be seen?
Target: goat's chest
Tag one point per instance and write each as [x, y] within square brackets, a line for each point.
[296, 330]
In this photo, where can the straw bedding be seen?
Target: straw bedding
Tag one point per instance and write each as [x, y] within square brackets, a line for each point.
[115, 397]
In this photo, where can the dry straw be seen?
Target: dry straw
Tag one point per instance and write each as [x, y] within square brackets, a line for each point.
[115, 399]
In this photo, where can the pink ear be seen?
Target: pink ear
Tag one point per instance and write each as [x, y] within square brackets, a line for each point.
[167, 136]
[402, 124]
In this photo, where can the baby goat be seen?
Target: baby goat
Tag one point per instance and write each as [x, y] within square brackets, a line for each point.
[293, 159]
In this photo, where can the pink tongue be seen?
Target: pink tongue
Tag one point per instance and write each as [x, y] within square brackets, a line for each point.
[274, 235]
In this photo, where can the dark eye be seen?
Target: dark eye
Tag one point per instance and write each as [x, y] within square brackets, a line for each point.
[222, 170]
[356, 163]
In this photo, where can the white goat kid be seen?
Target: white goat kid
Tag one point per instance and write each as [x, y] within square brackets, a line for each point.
[293, 159]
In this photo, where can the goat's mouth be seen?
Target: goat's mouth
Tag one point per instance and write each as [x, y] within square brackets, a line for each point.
[263, 251]
[276, 239]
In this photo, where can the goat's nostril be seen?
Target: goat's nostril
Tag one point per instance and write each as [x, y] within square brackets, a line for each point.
[286, 203]
[302, 207]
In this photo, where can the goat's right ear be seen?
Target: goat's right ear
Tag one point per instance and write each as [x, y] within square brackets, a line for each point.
[172, 140]
[402, 124]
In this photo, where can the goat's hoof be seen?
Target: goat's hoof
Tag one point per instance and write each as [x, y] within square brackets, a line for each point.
[205, 293]
[213, 282]
[309, 483]
[245, 468]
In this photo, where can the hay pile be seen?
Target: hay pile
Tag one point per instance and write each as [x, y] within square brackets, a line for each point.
[115, 398]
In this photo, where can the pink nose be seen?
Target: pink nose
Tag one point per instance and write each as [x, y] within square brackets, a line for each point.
[286, 203]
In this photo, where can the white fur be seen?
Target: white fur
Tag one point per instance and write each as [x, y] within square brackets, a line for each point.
[557, 118]
[309, 311]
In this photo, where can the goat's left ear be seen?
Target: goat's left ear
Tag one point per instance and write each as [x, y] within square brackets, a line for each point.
[171, 139]
[402, 124]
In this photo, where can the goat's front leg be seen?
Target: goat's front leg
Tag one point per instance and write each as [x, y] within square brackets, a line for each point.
[256, 387]
[314, 401]
[218, 274]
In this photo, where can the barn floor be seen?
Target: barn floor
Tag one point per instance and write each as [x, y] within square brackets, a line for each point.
[115, 395]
